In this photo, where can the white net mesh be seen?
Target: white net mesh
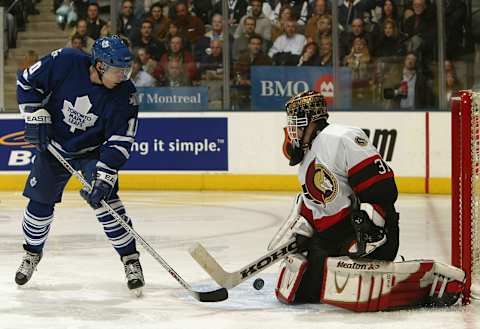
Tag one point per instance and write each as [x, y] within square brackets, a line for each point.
[475, 154]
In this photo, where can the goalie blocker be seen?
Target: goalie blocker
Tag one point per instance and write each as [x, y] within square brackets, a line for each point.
[369, 286]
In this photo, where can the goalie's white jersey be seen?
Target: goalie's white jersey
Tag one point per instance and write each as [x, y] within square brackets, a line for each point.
[341, 161]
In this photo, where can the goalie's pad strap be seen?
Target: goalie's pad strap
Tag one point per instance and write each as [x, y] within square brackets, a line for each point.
[367, 286]
[292, 269]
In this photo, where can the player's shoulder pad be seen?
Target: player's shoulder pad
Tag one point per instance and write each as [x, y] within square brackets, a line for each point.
[353, 135]
[126, 94]
[70, 54]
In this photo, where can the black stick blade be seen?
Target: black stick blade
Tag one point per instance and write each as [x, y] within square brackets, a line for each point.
[212, 296]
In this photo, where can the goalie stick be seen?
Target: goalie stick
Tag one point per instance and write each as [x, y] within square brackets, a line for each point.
[207, 296]
[232, 279]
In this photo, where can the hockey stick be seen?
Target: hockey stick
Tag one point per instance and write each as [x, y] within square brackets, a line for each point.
[207, 296]
[232, 279]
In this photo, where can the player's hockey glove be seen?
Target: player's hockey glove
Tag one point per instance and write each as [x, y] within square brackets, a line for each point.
[102, 188]
[369, 236]
[38, 126]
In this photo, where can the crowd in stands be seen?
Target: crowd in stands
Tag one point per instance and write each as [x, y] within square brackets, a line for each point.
[16, 13]
[390, 46]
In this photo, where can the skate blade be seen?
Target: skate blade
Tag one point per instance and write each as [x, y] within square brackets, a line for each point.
[137, 292]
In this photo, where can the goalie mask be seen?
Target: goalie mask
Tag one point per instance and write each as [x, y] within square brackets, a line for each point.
[306, 107]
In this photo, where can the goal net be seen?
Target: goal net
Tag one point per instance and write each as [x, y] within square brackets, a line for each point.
[466, 189]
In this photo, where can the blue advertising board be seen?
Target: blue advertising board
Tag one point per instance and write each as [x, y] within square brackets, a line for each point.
[160, 144]
[173, 99]
[272, 86]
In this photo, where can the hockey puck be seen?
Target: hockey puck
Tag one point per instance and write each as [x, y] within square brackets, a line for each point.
[258, 283]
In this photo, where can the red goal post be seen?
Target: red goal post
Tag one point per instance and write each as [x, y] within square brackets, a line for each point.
[466, 189]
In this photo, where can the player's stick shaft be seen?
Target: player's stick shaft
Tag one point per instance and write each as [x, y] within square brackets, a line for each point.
[232, 279]
[211, 296]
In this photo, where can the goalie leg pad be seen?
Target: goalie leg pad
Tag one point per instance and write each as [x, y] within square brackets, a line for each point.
[369, 286]
[292, 269]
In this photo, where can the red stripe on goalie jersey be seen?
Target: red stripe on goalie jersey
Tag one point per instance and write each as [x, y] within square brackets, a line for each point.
[323, 223]
[368, 172]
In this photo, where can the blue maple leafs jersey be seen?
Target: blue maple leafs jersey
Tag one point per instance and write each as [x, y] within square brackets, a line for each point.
[85, 116]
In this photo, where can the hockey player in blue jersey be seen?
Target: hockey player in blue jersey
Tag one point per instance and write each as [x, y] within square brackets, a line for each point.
[86, 108]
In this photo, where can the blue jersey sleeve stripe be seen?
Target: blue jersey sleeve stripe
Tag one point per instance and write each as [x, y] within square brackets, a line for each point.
[23, 86]
[119, 138]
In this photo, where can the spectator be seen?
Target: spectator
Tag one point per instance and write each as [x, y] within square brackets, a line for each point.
[326, 51]
[346, 38]
[320, 9]
[139, 77]
[148, 63]
[160, 22]
[299, 10]
[216, 33]
[240, 45]
[263, 25]
[94, 22]
[414, 91]
[30, 58]
[75, 42]
[324, 28]
[106, 29]
[310, 55]
[173, 31]
[126, 20]
[288, 46]
[176, 75]
[389, 44]
[211, 71]
[190, 26]
[255, 56]
[420, 31]
[455, 25]
[389, 12]
[453, 85]
[236, 10]
[145, 40]
[81, 31]
[203, 9]
[176, 52]
[211, 67]
[349, 10]
[278, 27]
[359, 61]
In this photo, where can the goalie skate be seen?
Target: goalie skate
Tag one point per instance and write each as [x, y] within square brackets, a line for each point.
[27, 267]
[133, 273]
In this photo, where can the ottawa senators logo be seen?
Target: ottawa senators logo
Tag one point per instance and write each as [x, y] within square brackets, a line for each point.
[320, 185]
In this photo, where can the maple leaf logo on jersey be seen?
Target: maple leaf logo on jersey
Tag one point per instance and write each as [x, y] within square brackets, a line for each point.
[77, 117]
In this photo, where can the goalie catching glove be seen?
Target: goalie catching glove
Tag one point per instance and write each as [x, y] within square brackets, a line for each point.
[102, 187]
[369, 236]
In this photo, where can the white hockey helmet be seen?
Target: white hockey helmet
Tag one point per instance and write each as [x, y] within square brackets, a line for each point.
[303, 108]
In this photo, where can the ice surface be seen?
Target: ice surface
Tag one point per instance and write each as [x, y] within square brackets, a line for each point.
[80, 281]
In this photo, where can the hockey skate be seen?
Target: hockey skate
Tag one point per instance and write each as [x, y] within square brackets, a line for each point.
[134, 273]
[27, 267]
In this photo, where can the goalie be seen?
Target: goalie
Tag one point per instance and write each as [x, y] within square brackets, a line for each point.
[346, 225]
